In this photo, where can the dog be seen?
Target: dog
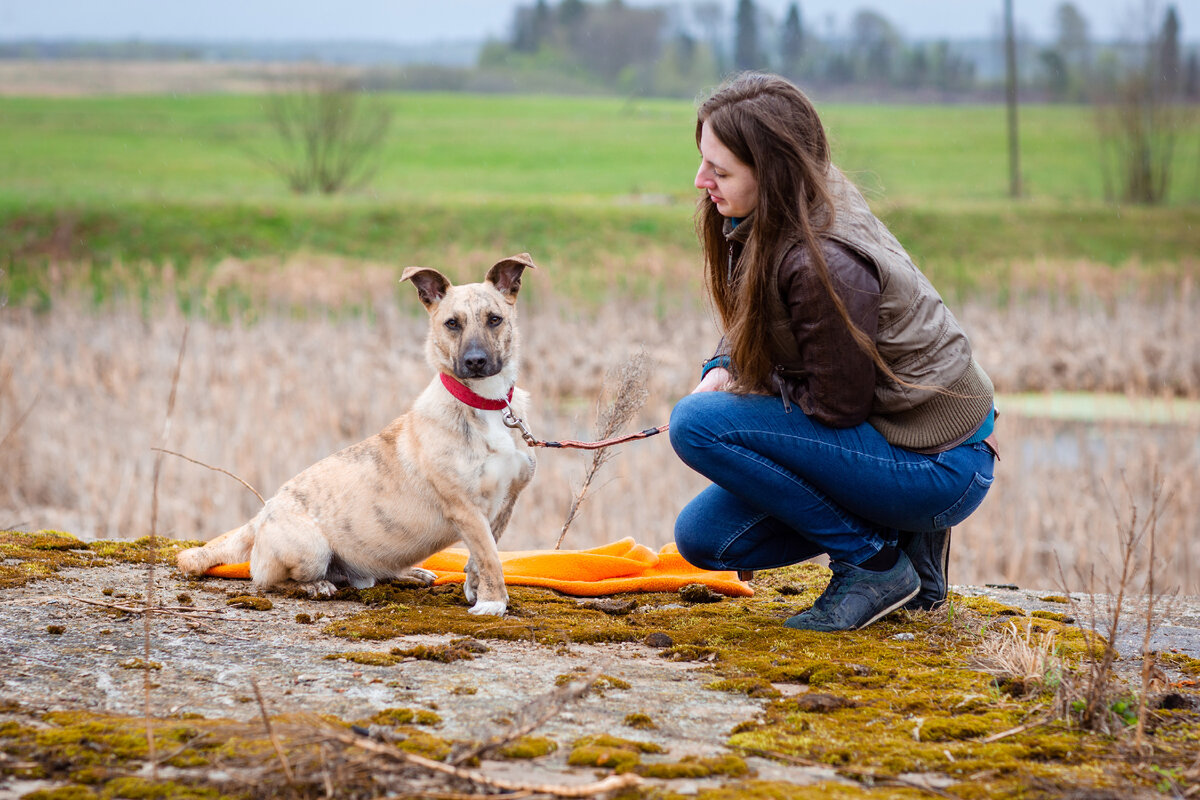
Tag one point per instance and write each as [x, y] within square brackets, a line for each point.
[447, 470]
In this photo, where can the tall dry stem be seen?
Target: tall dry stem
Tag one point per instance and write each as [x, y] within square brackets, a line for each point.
[1099, 687]
[147, 625]
[623, 396]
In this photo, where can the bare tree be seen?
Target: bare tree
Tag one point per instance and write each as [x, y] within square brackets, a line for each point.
[330, 133]
[1140, 122]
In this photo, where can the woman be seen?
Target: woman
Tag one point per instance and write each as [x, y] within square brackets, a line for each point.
[843, 412]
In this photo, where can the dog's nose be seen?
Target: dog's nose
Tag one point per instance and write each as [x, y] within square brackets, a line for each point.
[475, 361]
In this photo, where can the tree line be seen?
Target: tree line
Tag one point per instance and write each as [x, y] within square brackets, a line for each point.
[673, 49]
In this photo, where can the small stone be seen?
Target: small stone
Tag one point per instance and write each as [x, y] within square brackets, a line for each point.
[820, 703]
[699, 593]
[904, 637]
[658, 639]
[250, 601]
[613, 606]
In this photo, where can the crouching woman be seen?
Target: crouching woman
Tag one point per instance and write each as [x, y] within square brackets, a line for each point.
[843, 413]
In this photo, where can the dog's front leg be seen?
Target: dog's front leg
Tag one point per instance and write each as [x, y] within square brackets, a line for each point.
[484, 585]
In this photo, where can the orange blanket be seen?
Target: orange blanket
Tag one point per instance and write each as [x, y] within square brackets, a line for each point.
[623, 566]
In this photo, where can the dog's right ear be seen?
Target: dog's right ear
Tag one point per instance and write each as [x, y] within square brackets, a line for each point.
[431, 285]
[505, 274]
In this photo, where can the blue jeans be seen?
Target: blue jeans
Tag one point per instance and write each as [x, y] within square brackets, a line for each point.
[787, 488]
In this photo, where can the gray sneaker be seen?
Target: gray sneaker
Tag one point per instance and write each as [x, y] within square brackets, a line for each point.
[856, 597]
[930, 557]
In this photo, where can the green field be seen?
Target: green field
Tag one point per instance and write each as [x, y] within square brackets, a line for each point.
[577, 181]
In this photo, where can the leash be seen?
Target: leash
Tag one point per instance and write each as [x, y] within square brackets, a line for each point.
[513, 421]
[465, 395]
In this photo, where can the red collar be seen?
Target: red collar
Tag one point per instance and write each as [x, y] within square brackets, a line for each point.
[465, 395]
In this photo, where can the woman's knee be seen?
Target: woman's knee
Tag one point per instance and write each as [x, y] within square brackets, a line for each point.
[690, 426]
[693, 537]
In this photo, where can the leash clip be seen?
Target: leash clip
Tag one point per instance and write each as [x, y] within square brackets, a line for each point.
[513, 421]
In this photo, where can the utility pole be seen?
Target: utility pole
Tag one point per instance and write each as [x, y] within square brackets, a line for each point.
[1010, 83]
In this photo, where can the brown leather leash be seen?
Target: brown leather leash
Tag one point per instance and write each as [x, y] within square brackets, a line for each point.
[513, 421]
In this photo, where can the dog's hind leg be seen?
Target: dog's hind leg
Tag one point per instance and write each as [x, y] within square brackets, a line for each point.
[291, 546]
[232, 547]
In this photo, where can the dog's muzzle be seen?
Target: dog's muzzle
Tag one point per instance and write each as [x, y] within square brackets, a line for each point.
[476, 362]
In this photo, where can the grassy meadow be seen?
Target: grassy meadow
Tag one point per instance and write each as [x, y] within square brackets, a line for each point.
[125, 219]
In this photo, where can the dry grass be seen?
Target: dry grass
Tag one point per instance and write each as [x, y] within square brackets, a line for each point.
[265, 400]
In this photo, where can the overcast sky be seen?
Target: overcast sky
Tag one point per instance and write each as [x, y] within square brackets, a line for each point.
[416, 21]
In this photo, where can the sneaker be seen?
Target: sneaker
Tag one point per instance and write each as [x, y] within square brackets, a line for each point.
[930, 557]
[856, 597]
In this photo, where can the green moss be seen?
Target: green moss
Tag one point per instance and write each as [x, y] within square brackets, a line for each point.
[40, 554]
[370, 658]
[529, 747]
[140, 663]
[959, 727]
[1181, 661]
[251, 602]
[73, 792]
[989, 607]
[424, 744]
[1056, 598]
[406, 716]
[606, 740]
[1051, 615]
[751, 687]
[641, 722]
[696, 767]
[142, 789]
[464, 649]
[618, 759]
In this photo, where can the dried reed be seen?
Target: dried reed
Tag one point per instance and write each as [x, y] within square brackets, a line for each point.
[266, 399]
[624, 395]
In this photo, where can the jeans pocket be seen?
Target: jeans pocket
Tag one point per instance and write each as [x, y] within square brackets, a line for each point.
[966, 504]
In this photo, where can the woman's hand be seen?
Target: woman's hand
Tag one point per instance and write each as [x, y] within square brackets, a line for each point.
[716, 380]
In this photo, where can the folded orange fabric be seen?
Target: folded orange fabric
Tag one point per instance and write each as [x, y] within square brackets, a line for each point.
[622, 566]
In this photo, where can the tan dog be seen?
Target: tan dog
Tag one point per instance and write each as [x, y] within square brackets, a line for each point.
[446, 470]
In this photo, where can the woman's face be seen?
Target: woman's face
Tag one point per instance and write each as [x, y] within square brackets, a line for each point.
[730, 183]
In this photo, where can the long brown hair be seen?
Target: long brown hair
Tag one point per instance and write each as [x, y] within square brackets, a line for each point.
[773, 128]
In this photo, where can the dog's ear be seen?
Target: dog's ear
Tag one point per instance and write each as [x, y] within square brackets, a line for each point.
[431, 284]
[505, 274]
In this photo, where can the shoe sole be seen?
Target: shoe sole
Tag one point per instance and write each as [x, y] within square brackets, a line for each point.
[898, 604]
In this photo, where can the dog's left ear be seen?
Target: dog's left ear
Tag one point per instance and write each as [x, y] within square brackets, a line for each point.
[431, 285]
[505, 275]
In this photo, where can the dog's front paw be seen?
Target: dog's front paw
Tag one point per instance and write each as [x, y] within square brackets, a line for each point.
[494, 607]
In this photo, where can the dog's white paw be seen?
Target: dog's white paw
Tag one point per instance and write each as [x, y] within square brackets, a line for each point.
[319, 589]
[494, 607]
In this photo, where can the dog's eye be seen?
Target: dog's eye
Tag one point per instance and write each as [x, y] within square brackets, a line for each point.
[494, 320]
[452, 324]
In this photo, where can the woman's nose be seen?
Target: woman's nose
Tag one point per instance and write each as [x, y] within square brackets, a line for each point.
[703, 180]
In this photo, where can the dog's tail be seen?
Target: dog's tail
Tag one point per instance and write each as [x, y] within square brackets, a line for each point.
[232, 547]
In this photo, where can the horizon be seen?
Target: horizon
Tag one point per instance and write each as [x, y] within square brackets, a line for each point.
[413, 23]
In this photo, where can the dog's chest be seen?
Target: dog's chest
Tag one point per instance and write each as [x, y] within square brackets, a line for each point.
[504, 464]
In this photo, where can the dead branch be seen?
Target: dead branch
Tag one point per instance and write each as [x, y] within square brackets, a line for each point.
[534, 715]
[146, 682]
[186, 612]
[214, 469]
[283, 762]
